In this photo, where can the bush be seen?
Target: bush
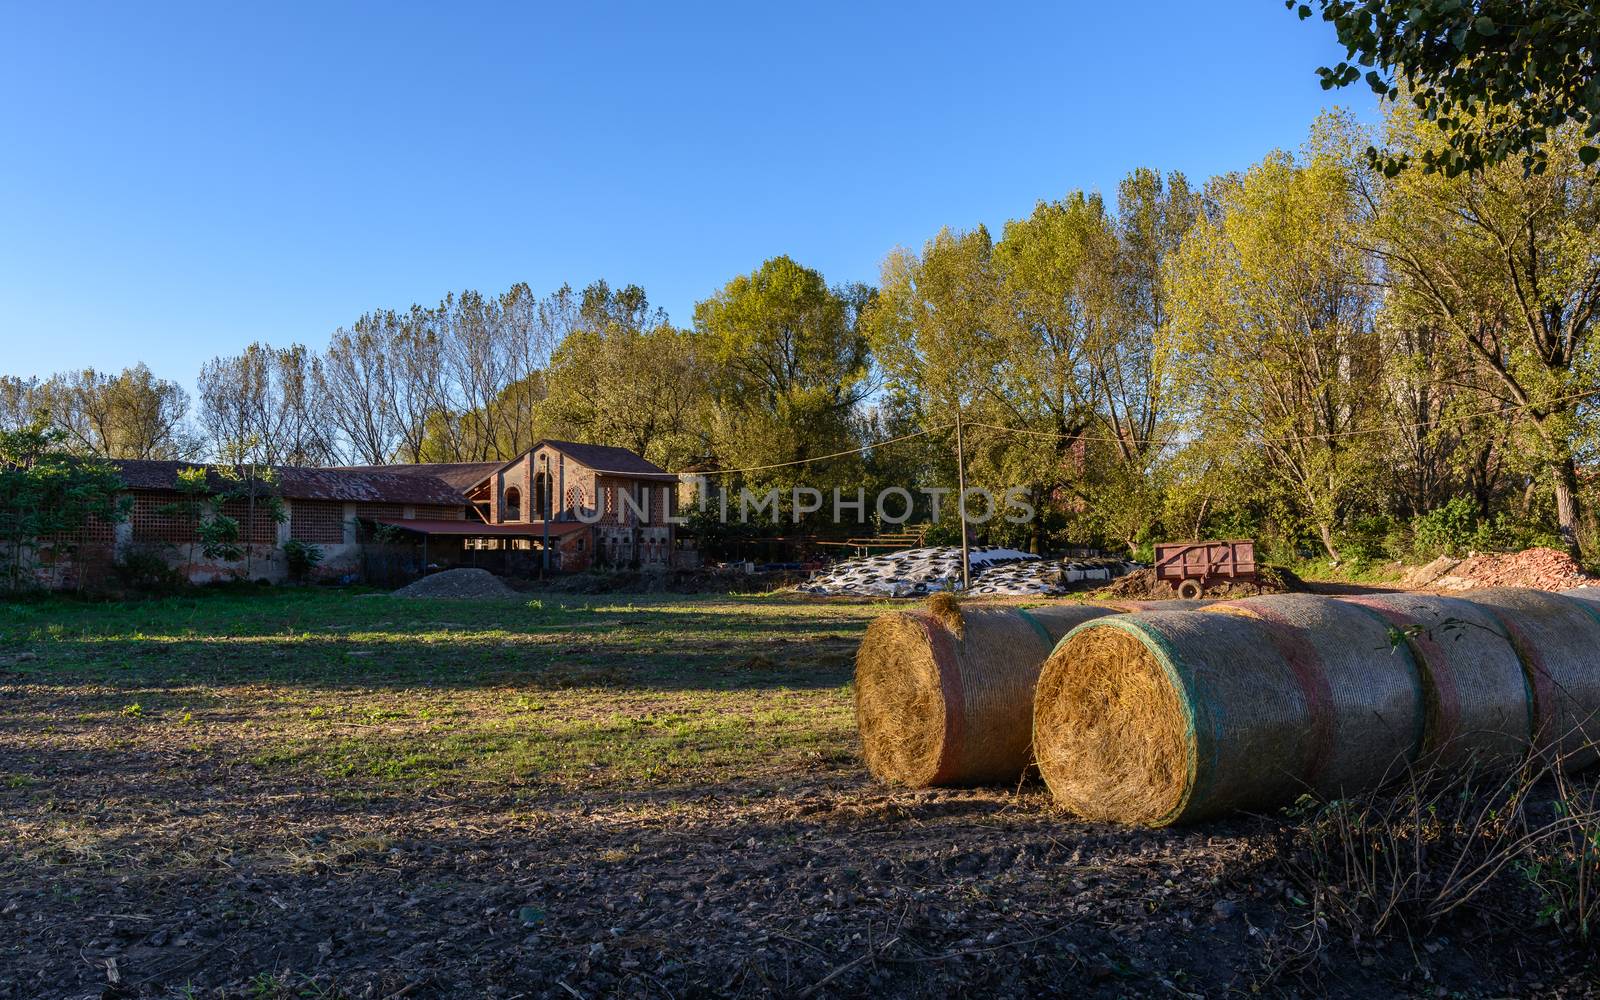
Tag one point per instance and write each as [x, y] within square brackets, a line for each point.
[302, 558]
[1366, 540]
[147, 570]
[1450, 530]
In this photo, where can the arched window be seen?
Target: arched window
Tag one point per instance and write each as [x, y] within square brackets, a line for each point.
[541, 495]
[513, 504]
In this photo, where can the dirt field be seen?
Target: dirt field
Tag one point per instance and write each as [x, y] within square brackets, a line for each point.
[318, 794]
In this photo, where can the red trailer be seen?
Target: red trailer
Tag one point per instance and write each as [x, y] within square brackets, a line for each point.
[1190, 566]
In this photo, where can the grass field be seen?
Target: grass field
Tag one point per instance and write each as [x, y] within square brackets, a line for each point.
[315, 793]
[383, 694]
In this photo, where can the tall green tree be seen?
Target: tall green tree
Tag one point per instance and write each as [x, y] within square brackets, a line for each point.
[1507, 266]
[790, 365]
[1272, 336]
[628, 377]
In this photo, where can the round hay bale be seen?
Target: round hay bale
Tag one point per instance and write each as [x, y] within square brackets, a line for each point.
[1363, 687]
[1558, 640]
[1174, 716]
[1476, 700]
[945, 696]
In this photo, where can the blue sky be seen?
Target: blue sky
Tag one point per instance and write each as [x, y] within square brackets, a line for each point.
[176, 182]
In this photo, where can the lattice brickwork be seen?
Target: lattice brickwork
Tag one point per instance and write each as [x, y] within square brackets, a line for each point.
[258, 530]
[380, 511]
[317, 521]
[440, 512]
[151, 525]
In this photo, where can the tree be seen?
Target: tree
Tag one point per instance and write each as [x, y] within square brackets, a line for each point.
[49, 495]
[1507, 265]
[627, 377]
[269, 398]
[199, 508]
[1272, 335]
[790, 365]
[357, 383]
[1499, 78]
[129, 415]
[20, 402]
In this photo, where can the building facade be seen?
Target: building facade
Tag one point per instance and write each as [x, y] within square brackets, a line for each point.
[561, 505]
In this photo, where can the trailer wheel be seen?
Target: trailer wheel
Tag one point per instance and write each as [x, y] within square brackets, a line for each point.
[1189, 590]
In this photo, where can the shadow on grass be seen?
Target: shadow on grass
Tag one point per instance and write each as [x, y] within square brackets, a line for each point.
[314, 640]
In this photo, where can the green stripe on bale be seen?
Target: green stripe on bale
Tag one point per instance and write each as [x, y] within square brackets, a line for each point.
[935, 707]
[1558, 641]
[1477, 699]
[1175, 716]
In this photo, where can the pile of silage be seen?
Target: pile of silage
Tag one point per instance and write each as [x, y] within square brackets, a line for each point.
[944, 696]
[1475, 696]
[1173, 716]
[1558, 640]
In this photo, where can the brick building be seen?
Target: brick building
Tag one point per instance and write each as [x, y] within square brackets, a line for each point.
[593, 504]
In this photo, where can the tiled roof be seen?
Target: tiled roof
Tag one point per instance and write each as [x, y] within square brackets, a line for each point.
[461, 475]
[300, 483]
[604, 458]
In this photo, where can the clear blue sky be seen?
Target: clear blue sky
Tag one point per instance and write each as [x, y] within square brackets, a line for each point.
[177, 182]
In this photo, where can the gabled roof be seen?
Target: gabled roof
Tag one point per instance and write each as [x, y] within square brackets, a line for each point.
[461, 475]
[383, 485]
[605, 458]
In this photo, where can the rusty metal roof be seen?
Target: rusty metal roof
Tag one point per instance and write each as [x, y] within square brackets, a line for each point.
[477, 529]
[302, 483]
[461, 475]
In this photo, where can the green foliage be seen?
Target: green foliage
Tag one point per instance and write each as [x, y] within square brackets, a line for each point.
[790, 367]
[48, 495]
[145, 570]
[1445, 531]
[302, 558]
[1499, 77]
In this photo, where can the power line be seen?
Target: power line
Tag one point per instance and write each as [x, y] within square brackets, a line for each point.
[1112, 439]
[799, 461]
[1379, 429]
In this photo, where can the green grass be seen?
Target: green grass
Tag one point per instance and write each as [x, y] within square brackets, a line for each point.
[362, 693]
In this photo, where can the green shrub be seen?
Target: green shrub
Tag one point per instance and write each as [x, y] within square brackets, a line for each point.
[302, 558]
[146, 570]
[1450, 530]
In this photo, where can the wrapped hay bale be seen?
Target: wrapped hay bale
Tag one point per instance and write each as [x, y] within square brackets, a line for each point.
[1475, 699]
[1558, 639]
[944, 696]
[1173, 716]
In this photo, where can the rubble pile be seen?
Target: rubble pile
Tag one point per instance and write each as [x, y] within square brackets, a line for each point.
[1538, 569]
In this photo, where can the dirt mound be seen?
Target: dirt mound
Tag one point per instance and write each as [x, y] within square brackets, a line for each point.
[458, 583]
[1143, 585]
[1536, 569]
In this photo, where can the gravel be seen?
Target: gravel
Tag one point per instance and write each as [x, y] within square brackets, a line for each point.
[458, 583]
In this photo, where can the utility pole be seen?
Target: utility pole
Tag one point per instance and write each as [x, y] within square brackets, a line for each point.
[539, 496]
[961, 502]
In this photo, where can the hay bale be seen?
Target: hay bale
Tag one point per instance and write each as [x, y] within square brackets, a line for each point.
[1475, 696]
[1173, 716]
[944, 705]
[1558, 640]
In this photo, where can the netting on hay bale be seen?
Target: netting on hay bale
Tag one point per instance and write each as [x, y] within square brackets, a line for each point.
[945, 696]
[1558, 640]
[1174, 716]
[1475, 695]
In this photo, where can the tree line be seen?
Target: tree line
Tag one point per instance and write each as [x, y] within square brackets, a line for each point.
[1317, 351]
